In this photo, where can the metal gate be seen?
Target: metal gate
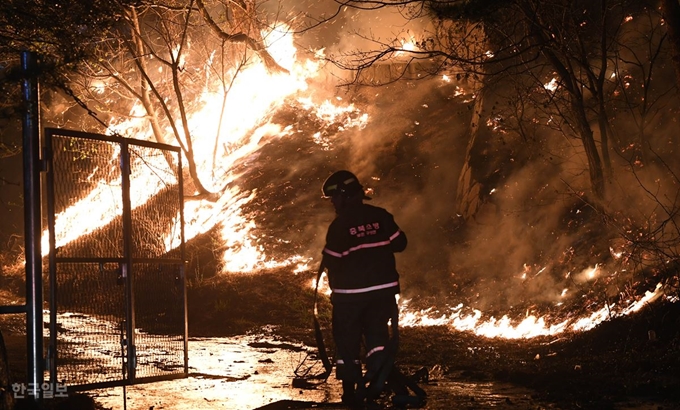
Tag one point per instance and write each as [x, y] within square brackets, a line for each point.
[117, 290]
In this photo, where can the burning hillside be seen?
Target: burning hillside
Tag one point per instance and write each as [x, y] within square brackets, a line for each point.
[505, 238]
[468, 275]
[457, 274]
[537, 258]
[519, 260]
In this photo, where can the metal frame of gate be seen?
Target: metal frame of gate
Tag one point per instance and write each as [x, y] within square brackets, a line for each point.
[117, 293]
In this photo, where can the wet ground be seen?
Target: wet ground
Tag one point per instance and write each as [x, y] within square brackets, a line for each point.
[250, 372]
[256, 372]
[246, 372]
[614, 367]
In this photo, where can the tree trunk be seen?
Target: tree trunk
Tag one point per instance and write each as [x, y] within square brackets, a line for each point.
[594, 162]
[147, 89]
[468, 195]
[603, 123]
[570, 80]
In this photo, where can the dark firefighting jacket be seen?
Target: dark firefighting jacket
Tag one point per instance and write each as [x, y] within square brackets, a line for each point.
[359, 251]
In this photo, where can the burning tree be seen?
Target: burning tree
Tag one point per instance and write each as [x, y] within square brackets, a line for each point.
[207, 76]
[159, 59]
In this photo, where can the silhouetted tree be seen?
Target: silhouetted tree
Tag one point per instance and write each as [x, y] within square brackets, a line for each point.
[574, 43]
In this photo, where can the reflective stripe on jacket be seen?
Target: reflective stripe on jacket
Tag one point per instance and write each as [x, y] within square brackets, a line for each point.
[359, 251]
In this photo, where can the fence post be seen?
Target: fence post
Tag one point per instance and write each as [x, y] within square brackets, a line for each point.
[32, 223]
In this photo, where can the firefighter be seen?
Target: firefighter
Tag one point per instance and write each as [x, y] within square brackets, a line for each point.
[359, 259]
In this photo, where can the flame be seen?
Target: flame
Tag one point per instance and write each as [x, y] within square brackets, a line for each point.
[78, 220]
[466, 319]
[650, 296]
[552, 85]
[407, 45]
[507, 328]
[323, 286]
[255, 94]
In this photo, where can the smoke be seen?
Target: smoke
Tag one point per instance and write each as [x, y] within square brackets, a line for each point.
[526, 240]
[539, 239]
[411, 155]
[535, 235]
[515, 246]
[408, 156]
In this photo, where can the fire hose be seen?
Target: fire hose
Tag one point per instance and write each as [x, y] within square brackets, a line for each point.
[321, 346]
[302, 376]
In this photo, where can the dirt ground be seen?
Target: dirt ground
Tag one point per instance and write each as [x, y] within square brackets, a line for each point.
[246, 361]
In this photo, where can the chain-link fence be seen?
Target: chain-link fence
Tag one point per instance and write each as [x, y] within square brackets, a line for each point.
[116, 253]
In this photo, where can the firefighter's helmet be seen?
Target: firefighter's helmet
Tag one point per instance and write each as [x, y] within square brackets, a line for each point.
[342, 182]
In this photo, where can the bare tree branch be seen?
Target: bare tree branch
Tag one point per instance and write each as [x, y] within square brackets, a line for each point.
[254, 44]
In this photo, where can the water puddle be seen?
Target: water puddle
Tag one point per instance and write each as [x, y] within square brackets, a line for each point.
[241, 373]
[252, 372]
